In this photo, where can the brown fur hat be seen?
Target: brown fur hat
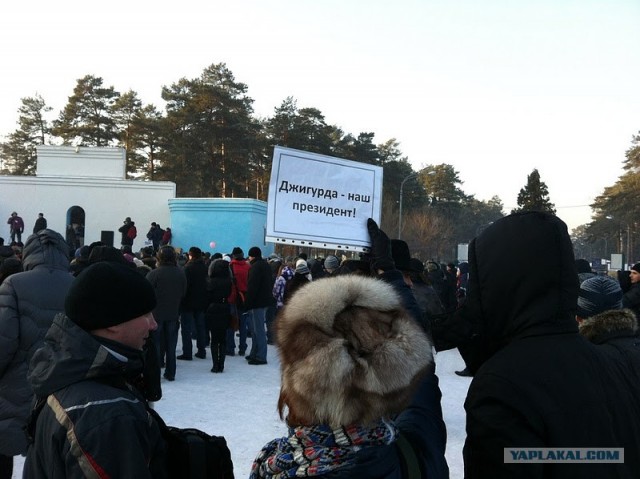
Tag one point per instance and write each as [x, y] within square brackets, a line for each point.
[350, 353]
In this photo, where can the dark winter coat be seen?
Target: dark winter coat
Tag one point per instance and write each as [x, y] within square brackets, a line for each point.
[617, 333]
[124, 230]
[445, 290]
[218, 312]
[428, 300]
[396, 279]
[259, 285]
[296, 282]
[540, 383]
[195, 298]
[631, 299]
[41, 224]
[170, 285]
[94, 423]
[28, 303]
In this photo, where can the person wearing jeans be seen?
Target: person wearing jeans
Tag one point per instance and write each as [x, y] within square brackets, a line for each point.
[194, 305]
[193, 322]
[258, 299]
[170, 285]
[256, 319]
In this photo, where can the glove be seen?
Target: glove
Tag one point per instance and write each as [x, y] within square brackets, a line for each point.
[380, 255]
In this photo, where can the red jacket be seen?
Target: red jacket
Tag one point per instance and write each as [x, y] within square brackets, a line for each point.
[240, 270]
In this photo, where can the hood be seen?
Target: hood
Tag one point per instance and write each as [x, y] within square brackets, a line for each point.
[609, 323]
[219, 268]
[45, 248]
[70, 354]
[523, 280]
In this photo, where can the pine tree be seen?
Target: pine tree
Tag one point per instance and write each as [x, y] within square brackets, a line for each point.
[88, 116]
[534, 196]
[19, 151]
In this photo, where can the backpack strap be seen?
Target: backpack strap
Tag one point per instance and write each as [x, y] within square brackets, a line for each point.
[408, 458]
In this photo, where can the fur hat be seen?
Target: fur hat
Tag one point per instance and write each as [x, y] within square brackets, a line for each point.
[331, 262]
[349, 352]
[106, 294]
[598, 294]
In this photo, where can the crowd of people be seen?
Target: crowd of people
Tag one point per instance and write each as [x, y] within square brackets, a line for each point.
[552, 347]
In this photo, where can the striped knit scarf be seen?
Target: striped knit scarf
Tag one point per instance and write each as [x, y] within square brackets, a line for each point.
[316, 450]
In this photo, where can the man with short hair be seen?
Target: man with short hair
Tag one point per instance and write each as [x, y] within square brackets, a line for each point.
[16, 228]
[259, 286]
[94, 421]
[41, 223]
[170, 285]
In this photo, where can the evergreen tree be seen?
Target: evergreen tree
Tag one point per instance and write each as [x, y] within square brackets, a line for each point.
[302, 129]
[125, 111]
[148, 125]
[534, 196]
[211, 134]
[88, 116]
[19, 151]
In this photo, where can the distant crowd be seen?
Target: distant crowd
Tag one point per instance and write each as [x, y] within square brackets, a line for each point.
[552, 349]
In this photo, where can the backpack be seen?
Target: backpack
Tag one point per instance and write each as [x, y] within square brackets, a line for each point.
[194, 454]
[190, 453]
[132, 232]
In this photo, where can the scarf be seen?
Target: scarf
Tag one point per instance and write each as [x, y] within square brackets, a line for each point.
[310, 451]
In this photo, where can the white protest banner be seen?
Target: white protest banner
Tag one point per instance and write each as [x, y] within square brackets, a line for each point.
[321, 201]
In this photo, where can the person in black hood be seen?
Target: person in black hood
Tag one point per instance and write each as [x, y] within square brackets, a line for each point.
[29, 300]
[539, 383]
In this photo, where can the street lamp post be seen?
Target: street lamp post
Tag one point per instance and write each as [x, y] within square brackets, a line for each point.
[406, 178]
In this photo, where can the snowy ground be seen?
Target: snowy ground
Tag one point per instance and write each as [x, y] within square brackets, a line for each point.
[240, 404]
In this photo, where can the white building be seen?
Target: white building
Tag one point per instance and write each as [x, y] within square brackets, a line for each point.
[84, 195]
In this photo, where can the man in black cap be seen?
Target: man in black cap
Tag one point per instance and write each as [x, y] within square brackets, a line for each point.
[94, 420]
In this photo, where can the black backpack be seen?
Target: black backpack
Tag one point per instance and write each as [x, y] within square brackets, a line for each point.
[193, 454]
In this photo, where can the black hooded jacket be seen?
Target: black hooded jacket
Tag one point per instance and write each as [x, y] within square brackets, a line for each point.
[539, 384]
[28, 303]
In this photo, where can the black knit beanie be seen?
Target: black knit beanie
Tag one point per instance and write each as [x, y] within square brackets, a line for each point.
[106, 294]
[636, 267]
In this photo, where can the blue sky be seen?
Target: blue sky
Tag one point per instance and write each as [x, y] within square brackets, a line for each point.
[494, 88]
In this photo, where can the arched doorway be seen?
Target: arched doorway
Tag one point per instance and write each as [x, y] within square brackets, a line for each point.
[75, 228]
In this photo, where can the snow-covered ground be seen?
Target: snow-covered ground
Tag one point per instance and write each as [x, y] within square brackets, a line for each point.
[241, 405]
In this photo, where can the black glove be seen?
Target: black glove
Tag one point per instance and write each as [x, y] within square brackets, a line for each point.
[381, 258]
